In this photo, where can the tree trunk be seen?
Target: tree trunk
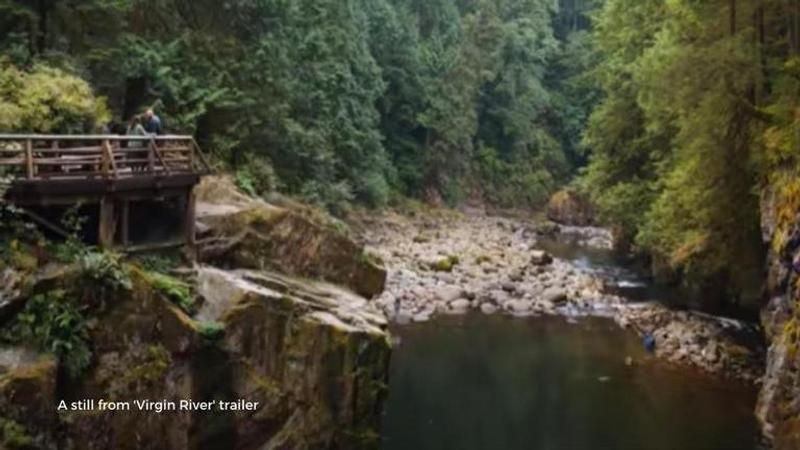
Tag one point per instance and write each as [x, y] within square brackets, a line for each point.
[43, 10]
[759, 84]
[796, 29]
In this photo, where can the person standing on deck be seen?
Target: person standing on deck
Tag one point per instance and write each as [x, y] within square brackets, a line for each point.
[152, 123]
[135, 127]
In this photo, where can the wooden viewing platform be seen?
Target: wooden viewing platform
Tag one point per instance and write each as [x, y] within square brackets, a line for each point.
[153, 175]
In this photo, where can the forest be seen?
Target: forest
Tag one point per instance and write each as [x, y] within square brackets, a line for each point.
[671, 115]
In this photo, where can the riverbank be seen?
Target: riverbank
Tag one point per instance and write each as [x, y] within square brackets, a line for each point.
[446, 262]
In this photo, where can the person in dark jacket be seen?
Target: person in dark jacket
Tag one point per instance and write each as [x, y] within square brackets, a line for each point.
[649, 342]
[152, 123]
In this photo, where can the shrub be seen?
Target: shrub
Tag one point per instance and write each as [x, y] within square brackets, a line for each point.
[334, 197]
[174, 289]
[72, 248]
[106, 269]
[57, 326]
[47, 100]
[245, 182]
[13, 435]
[374, 190]
[256, 177]
[211, 331]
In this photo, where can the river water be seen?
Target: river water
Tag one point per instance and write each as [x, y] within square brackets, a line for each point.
[479, 382]
[497, 383]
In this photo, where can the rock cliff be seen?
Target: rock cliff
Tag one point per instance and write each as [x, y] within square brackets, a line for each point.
[779, 401]
[263, 327]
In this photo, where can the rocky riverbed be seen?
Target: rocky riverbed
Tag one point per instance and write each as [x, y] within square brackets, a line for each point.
[452, 263]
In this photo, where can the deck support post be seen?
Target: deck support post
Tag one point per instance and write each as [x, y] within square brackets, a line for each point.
[124, 222]
[107, 225]
[190, 218]
[30, 170]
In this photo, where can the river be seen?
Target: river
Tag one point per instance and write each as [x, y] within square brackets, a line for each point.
[480, 382]
[493, 382]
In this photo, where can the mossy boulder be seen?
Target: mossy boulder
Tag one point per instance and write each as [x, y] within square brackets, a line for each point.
[313, 355]
[249, 233]
[445, 264]
[27, 399]
[310, 352]
[547, 228]
[569, 207]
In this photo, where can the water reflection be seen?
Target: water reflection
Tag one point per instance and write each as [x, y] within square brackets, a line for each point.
[495, 383]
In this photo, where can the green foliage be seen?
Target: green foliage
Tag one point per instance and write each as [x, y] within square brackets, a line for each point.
[699, 111]
[335, 198]
[177, 291]
[256, 177]
[781, 160]
[211, 331]
[72, 248]
[47, 100]
[341, 100]
[18, 254]
[181, 81]
[158, 262]
[14, 436]
[244, 181]
[105, 269]
[446, 264]
[58, 326]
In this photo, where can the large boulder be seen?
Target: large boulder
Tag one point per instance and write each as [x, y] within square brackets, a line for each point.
[540, 258]
[240, 232]
[312, 353]
[311, 358]
[569, 207]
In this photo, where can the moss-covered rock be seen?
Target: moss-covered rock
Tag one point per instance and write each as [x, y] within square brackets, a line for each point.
[313, 355]
[569, 207]
[143, 346]
[445, 264]
[307, 351]
[248, 233]
[27, 399]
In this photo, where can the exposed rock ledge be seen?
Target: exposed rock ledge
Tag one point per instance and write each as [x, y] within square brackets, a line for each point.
[311, 354]
[243, 233]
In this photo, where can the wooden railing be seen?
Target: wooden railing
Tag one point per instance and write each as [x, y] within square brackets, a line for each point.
[76, 157]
